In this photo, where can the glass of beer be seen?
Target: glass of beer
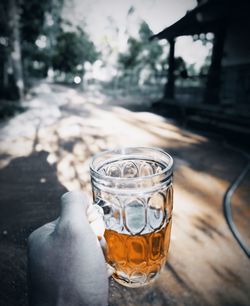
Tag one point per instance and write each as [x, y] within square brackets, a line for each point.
[133, 186]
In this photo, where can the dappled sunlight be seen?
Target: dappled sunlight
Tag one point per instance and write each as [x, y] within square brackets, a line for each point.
[203, 186]
[158, 126]
[76, 126]
[199, 232]
[79, 77]
[78, 139]
[67, 127]
[72, 126]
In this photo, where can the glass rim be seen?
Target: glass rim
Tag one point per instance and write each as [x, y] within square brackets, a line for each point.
[168, 168]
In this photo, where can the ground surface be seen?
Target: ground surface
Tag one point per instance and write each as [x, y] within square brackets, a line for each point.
[47, 149]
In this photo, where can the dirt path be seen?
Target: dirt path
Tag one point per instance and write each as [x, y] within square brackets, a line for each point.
[47, 150]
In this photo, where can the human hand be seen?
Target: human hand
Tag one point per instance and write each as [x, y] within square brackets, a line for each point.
[65, 261]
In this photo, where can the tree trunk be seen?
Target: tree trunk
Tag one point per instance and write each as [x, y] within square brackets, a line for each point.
[5, 73]
[212, 90]
[169, 87]
[16, 58]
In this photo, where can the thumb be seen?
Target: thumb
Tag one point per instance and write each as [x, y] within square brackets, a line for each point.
[79, 215]
[74, 205]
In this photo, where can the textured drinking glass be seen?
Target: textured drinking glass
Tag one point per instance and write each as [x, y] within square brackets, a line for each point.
[133, 186]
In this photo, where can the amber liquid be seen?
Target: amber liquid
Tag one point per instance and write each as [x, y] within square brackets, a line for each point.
[137, 259]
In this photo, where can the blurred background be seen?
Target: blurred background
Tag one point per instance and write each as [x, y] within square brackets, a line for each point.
[81, 76]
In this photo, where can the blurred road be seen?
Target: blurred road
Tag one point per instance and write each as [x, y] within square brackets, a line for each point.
[47, 149]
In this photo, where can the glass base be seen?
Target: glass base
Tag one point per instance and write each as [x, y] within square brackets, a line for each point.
[135, 281]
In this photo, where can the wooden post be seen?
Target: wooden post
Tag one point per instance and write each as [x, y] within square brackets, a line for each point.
[212, 90]
[170, 86]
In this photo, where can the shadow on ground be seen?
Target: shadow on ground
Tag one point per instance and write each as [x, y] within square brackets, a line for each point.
[30, 194]
[60, 133]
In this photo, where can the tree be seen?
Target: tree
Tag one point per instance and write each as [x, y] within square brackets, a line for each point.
[181, 68]
[141, 54]
[129, 59]
[72, 49]
[11, 84]
[21, 24]
[4, 51]
[40, 20]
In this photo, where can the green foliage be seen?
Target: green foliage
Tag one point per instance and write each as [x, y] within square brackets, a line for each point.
[142, 54]
[45, 41]
[145, 32]
[32, 18]
[4, 18]
[181, 68]
[32, 54]
[34, 23]
[71, 50]
[205, 67]
[63, 50]
[131, 10]
[130, 59]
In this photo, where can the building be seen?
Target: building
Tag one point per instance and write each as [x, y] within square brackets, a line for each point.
[228, 80]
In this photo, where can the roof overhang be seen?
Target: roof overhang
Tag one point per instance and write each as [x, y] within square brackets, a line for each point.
[206, 17]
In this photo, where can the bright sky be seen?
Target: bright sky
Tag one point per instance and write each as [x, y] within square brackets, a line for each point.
[102, 16]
